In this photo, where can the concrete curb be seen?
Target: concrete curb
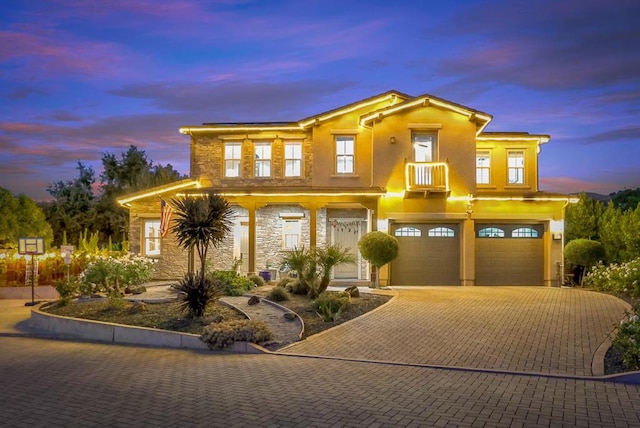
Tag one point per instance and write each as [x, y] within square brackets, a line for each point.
[128, 335]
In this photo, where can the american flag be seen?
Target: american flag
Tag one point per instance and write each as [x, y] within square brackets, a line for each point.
[165, 217]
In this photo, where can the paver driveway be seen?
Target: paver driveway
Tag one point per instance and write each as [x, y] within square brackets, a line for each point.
[523, 329]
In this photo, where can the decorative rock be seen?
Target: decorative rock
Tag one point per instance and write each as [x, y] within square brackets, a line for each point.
[215, 319]
[289, 316]
[135, 289]
[253, 300]
[138, 307]
[353, 291]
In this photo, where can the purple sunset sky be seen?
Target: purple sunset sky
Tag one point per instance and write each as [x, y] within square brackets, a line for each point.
[80, 77]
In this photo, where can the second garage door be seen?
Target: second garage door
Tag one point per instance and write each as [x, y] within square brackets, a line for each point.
[509, 254]
[429, 254]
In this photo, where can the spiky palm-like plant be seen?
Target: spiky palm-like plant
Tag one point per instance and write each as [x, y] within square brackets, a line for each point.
[201, 222]
[327, 258]
[198, 293]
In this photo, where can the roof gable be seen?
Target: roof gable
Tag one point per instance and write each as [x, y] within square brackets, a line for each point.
[423, 101]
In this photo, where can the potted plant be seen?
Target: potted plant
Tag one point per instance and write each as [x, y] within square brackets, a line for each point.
[266, 273]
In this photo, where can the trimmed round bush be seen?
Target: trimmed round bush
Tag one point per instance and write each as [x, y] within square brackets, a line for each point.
[257, 280]
[584, 252]
[378, 248]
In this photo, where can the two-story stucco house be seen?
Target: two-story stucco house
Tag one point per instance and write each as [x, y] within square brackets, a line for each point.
[463, 203]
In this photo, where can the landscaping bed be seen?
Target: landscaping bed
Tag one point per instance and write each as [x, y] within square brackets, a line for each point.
[169, 316]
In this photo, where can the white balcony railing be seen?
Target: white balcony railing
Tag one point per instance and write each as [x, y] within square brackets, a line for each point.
[427, 176]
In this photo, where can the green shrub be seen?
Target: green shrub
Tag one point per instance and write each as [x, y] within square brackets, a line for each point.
[284, 281]
[111, 274]
[584, 252]
[278, 294]
[623, 278]
[198, 293]
[221, 335]
[330, 305]
[378, 248]
[298, 286]
[257, 280]
[627, 342]
[68, 289]
[232, 284]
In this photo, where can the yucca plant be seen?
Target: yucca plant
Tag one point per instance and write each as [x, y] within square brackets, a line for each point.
[327, 258]
[303, 263]
[201, 222]
[198, 293]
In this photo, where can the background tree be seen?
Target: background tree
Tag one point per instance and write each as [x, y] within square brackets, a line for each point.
[21, 217]
[582, 218]
[583, 253]
[131, 172]
[378, 248]
[79, 204]
[72, 207]
[626, 199]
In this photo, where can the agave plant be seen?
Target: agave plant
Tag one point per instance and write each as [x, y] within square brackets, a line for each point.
[198, 293]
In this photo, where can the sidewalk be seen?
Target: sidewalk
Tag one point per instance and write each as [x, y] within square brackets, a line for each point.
[14, 318]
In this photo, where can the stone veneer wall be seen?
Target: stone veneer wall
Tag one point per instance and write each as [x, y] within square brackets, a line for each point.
[207, 162]
[172, 263]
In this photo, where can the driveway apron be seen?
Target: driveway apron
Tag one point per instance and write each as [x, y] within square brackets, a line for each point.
[522, 329]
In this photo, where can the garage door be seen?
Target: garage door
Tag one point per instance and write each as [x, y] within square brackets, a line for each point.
[429, 254]
[509, 254]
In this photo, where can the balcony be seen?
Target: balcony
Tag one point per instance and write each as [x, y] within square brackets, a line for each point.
[427, 177]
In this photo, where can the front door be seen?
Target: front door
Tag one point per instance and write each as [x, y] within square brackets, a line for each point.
[244, 247]
[346, 233]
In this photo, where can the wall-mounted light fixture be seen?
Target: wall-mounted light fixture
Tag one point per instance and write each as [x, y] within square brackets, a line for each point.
[557, 229]
[392, 140]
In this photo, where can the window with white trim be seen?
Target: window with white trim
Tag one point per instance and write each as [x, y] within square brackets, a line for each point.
[262, 155]
[151, 237]
[483, 167]
[491, 232]
[291, 234]
[408, 231]
[515, 166]
[292, 159]
[232, 159]
[345, 154]
[524, 232]
[441, 232]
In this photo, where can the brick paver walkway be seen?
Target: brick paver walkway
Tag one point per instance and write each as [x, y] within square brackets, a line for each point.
[68, 384]
[525, 329]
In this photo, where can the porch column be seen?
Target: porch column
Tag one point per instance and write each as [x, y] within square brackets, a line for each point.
[313, 218]
[468, 252]
[251, 208]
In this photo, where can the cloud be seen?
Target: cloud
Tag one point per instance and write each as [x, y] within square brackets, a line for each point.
[612, 135]
[45, 53]
[546, 44]
[237, 101]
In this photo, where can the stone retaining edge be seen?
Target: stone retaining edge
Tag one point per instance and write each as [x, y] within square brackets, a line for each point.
[128, 335]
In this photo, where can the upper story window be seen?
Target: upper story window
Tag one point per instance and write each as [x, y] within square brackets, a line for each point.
[292, 159]
[424, 147]
[151, 238]
[483, 167]
[262, 154]
[515, 166]
[232, 159]
[345, 154]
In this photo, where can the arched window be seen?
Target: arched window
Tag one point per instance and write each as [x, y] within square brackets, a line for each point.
[408, 231]
[442, 232]
[524, 232]
[491, 232]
